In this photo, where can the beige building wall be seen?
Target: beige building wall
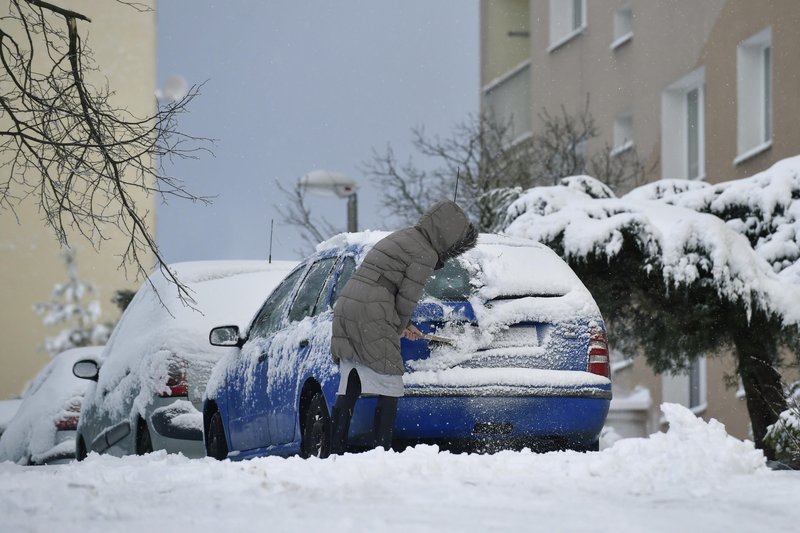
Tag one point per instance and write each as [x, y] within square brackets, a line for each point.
[123, 41]
[506, 22]
[671, 39]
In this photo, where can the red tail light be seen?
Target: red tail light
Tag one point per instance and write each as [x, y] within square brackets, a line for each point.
[177, 384]
[68, 419]
[598, 353]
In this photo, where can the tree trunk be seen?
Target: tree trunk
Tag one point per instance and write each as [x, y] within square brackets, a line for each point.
[762, 382]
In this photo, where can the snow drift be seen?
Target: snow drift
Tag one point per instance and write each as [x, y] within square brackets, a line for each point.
[693, 477]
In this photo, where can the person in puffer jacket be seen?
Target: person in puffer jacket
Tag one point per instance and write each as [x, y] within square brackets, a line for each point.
[374, 311]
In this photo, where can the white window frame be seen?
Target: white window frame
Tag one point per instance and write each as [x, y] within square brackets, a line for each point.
[754, 80]
[623, 26]
[675, 130]
[677, 388]
[562, 22]
[623, 133]
[522, 125]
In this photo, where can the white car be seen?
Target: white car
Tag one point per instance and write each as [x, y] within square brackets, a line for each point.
[8, 408]
[43, 429]
[148, 392]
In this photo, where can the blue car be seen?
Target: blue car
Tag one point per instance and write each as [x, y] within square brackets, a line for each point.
[517, 356]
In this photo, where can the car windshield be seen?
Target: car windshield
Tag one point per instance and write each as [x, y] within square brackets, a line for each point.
[450, 283]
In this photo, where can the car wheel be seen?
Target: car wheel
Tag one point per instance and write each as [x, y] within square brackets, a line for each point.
[316, 428]
[216, 445]
[80, 450]
[143, 443]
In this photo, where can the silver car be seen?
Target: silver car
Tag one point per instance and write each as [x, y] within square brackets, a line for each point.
[148, 393]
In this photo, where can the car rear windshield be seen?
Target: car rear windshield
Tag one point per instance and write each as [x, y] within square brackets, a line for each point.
[450, 283]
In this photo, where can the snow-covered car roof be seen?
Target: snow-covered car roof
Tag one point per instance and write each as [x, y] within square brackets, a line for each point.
[32, 431]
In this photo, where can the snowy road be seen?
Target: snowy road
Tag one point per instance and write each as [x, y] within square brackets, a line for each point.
[693, 478]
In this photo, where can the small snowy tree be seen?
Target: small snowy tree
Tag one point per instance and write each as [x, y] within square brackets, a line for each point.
[784, 435]
[68, 305]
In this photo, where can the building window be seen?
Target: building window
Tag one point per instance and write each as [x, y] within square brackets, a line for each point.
[507, 100]
[623, 26]
[623, 133]
[683, 128]
[688, 388]
[754, 95]
[567, 20]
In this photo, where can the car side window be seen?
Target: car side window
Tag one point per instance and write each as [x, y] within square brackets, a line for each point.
[348, 268]
[306, 299]
[269, 318]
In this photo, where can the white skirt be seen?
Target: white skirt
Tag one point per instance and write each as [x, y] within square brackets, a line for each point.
[371, 382]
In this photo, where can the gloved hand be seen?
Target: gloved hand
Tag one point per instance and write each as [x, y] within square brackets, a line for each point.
[412, 333]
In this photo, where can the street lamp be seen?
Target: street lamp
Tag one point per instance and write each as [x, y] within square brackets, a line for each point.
[329, 183]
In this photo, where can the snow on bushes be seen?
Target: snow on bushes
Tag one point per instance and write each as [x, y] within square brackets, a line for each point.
[784, 435]
[765, 208]
[580, 218]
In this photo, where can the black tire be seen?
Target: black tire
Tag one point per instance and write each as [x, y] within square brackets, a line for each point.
[144, 444]
[316, 424]
[80, 449]
[216, 445]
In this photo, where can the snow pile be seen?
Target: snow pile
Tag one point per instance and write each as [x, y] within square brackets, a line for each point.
[691, 445]
[694, 477]
[31, 434]
[689, 247]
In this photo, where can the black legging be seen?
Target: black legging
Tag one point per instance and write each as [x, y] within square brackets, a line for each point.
[383, 425]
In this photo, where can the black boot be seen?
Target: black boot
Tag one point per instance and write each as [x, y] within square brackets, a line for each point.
[342, 413]
[383, 428]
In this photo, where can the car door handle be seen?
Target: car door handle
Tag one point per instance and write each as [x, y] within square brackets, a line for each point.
[304, 343]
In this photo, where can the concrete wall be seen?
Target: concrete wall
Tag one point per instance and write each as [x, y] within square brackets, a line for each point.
[123, 41]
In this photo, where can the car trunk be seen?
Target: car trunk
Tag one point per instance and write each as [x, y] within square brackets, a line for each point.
[504, 307]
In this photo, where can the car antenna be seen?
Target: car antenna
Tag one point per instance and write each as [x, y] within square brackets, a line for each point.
[271, 227]
[455, 194]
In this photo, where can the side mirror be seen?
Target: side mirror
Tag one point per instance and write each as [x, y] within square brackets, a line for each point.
[225, 336]
[86, 369]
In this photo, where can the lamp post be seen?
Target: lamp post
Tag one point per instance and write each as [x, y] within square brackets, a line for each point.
[329, 183]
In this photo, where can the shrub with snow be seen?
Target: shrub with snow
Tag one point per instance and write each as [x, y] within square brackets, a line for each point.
[680, 268]
[784, 435]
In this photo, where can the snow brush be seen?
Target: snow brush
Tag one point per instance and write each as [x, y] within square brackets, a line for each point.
[437, 338]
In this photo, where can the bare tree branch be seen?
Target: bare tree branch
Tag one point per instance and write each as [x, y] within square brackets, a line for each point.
[296, 213]
[494, 165]
[86, 161]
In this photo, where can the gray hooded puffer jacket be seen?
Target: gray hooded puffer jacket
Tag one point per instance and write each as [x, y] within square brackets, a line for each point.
[376, 304]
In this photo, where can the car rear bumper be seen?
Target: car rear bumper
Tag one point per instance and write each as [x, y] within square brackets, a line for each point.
[571, 421]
